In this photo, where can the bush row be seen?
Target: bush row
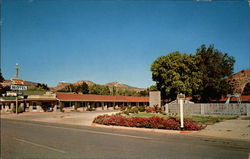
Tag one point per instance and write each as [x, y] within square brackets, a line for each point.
[147, 122]
[136, 110]
[19, 109]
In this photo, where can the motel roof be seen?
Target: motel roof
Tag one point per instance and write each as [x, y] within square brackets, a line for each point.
[101, 98]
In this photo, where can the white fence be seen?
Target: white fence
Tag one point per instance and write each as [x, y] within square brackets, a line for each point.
[211, 108]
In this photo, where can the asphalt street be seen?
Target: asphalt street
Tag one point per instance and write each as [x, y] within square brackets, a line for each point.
[21, 139]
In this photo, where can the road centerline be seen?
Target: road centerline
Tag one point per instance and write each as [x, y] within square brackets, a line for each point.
[39, 145]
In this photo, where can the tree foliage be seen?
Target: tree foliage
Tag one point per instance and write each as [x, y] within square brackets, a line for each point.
[99, 89]
[215, 66]
[38, 87]
[176, 73]
[128, 92]
[201, 76]
[81, 88]
[152, 88]
[2, 88]
[1, 77]
[246, 90]
[43, 86]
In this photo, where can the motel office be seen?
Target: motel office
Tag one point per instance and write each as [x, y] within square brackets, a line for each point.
[70, 101]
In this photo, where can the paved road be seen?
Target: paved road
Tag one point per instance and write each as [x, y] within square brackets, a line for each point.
[43, 140]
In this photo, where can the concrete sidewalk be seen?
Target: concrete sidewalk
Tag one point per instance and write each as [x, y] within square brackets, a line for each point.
[231, 129]
[238, 129]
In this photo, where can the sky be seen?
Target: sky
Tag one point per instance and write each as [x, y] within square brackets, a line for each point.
[115, 40]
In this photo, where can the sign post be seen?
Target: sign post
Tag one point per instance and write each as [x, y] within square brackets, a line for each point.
[180, 98]
[16, 101]
[17, 85]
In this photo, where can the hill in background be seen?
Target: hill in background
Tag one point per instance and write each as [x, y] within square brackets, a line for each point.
[118, 85]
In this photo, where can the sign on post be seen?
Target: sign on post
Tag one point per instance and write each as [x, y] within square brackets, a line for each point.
[17, 81]
[180, 98]
[18, 87]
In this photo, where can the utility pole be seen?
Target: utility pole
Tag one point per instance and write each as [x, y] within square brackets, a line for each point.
[17, 75]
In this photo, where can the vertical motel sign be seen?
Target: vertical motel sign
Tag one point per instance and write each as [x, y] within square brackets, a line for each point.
[18, 84]
[18, 87]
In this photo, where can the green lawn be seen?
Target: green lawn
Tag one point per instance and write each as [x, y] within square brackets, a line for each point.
[201, 119]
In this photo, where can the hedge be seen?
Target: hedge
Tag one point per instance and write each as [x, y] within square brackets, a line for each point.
[147, 122]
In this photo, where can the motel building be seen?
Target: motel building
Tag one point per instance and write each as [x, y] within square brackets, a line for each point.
[49, 102]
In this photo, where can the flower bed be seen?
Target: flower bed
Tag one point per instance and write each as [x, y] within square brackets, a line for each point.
[147, 122]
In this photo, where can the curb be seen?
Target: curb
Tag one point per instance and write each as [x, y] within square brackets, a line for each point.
[144, 129]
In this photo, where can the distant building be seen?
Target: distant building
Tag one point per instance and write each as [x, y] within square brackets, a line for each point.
[70, 101]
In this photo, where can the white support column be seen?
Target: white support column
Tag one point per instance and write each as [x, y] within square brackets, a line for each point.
[166, 108]
[181, 113]
[248, 109]
[137, 104]
[202, 109]
[181, 97]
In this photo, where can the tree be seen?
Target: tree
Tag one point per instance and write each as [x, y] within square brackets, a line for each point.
[2, 88]
[1, 77]
[144, 93]
[176, 73]
[68, 88]
[214, 66]
[43, 86]
[152, 88]
[82, 88]
[202, 76]
[99, 89]
[38, 87]
[114, 90]
[35, 88]
[104, 90]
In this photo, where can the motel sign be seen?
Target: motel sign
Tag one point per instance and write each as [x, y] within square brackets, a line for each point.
[18, 87]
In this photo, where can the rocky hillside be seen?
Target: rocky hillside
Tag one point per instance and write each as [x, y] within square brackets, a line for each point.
[239, 80]
[60, 85]
[89, 83]
[120, 85]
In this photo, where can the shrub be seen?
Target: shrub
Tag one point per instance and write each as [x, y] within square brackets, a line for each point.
[141, 108]
[126, 112]
[147, 122]
[135, 110]
[61, 108]
[90, 109]
[150, 109]
[129, 110]
[19, 109]
[123, 108]
[101, 119]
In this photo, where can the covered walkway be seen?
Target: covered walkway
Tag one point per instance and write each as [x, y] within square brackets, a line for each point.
[75, 101]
